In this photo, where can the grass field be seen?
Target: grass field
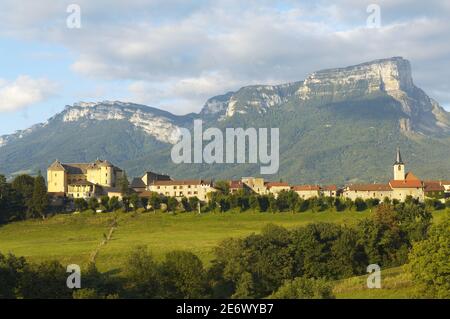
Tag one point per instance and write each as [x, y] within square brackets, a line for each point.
[72, 238]
[395, 284]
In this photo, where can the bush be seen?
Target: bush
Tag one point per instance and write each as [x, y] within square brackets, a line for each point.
[304, 288]
[360, 204]
[429, 263]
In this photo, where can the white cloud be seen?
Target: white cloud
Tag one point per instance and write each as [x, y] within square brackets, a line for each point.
[24, 92]
[176, 53]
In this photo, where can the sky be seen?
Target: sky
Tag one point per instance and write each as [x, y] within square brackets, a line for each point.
[175, 54]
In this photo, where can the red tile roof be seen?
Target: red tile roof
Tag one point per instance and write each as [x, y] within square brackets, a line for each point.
[306, 188]
[433, 186]
[405, 183]
[411, 177]
[276, 184]
[182, 182]
[236, 184]
[329, 188]
[369, 187]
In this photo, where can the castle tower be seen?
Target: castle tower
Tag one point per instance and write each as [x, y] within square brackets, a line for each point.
[399, 167]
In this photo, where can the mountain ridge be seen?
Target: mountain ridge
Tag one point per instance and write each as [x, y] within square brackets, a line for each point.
[358, 104]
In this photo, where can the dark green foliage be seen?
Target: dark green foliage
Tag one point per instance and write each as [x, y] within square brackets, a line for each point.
[80, 204]
[360, 204]
[11, 268]
[429, 263]
[135, 201]
[304, 288]
[183, 276]
[172, 204]
[11, 205]
[93, 203]
[104, 201]
[124, 185]
[39, 199]
[142, 273]
[46, 280]
[223, 187]
[114, 203]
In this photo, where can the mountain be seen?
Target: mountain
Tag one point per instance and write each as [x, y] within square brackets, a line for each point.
[337, 126]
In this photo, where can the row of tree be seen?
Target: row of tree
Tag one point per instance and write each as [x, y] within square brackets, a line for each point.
[25, 197]
[278, 263]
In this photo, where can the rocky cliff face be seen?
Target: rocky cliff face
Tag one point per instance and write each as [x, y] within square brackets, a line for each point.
[163, 126]
[330, 123]
[390, 77]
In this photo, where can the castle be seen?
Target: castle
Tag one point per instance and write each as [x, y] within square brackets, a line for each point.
[99, 178]
[83, 180]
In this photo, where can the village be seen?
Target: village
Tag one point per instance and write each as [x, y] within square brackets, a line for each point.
[100, 178]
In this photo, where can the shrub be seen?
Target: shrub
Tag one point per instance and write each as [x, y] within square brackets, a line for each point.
[304, 288]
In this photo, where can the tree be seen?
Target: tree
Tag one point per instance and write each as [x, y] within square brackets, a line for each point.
[124, 185]
[185, 204]
[154, 201]
[11, 267]
[46, 280]
[24, 186]
[253, 202]
[429, 263]
[126, 203]
[223, 187]
[304, 288]
[302, 205]
[183, 276]
[93, 203]
[273, 207]
[10, 202]
[142, 274]
[40, 200]
[104, 201]
[244, 287]
[360, 204]
[194, 202]
[114, 203]
[80, 204]
[172, 204]
[414, 221]
[135, 201]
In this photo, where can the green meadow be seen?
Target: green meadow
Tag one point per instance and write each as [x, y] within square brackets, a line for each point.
[72, 238]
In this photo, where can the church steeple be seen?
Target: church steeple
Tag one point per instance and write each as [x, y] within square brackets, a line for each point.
[399, 167]
[398, 159]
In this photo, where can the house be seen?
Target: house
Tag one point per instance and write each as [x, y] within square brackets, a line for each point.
[82, 180]
[330, 191]
[307, 191]
[183, 188]
[141, 184]
[255, 184]
[275, 187]
[434, 189]
[404, 185]
[366, 191]
[399, 188]
[409, 186]
[236, 186]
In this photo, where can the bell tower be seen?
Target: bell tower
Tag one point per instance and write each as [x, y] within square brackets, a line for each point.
[399, 167]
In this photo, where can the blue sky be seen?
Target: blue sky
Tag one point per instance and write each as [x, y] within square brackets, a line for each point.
[174, 54]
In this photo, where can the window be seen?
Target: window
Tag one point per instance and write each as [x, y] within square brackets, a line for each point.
[398, 167]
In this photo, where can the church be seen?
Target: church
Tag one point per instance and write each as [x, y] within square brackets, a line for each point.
[402, 186]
